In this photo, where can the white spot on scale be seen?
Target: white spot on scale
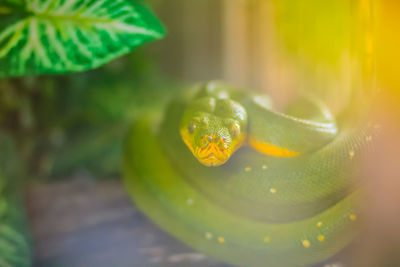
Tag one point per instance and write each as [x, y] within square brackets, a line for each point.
[351, 153]
[264, 167]
[208, 235]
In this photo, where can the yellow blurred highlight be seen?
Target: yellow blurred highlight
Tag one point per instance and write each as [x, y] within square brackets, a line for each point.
[388, 55]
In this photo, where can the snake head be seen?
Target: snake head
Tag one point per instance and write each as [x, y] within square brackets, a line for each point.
[213, 129]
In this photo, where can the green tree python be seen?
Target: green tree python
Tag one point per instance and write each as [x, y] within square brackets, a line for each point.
[229, 176]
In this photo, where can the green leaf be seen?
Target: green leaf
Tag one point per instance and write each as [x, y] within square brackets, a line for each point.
[58, 36]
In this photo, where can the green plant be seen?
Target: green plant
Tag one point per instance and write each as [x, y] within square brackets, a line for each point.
[14, 240]
[56, 36]
[53, 37]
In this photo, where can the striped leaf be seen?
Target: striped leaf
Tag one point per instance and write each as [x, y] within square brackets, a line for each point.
[57, 36]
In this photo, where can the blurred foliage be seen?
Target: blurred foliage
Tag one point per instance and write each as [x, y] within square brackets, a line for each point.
[72, 123]
[15, 247]
[66, 124]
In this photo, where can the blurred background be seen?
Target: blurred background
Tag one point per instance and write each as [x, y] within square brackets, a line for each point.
[70, 129]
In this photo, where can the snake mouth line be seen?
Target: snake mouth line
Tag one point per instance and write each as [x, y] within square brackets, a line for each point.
[213, 156]
[212, 160]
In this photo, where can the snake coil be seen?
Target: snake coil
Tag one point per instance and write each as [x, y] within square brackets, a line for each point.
[293, 207]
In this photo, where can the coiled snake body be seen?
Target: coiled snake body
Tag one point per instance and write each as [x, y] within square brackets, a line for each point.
[226, 174]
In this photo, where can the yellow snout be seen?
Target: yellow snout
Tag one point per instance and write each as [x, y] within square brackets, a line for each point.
[213, 151]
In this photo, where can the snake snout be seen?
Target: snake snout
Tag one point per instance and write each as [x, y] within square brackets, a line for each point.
[213, 151]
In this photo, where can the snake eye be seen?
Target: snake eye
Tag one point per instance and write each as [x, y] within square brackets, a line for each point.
[191, 127]
[235, 129]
